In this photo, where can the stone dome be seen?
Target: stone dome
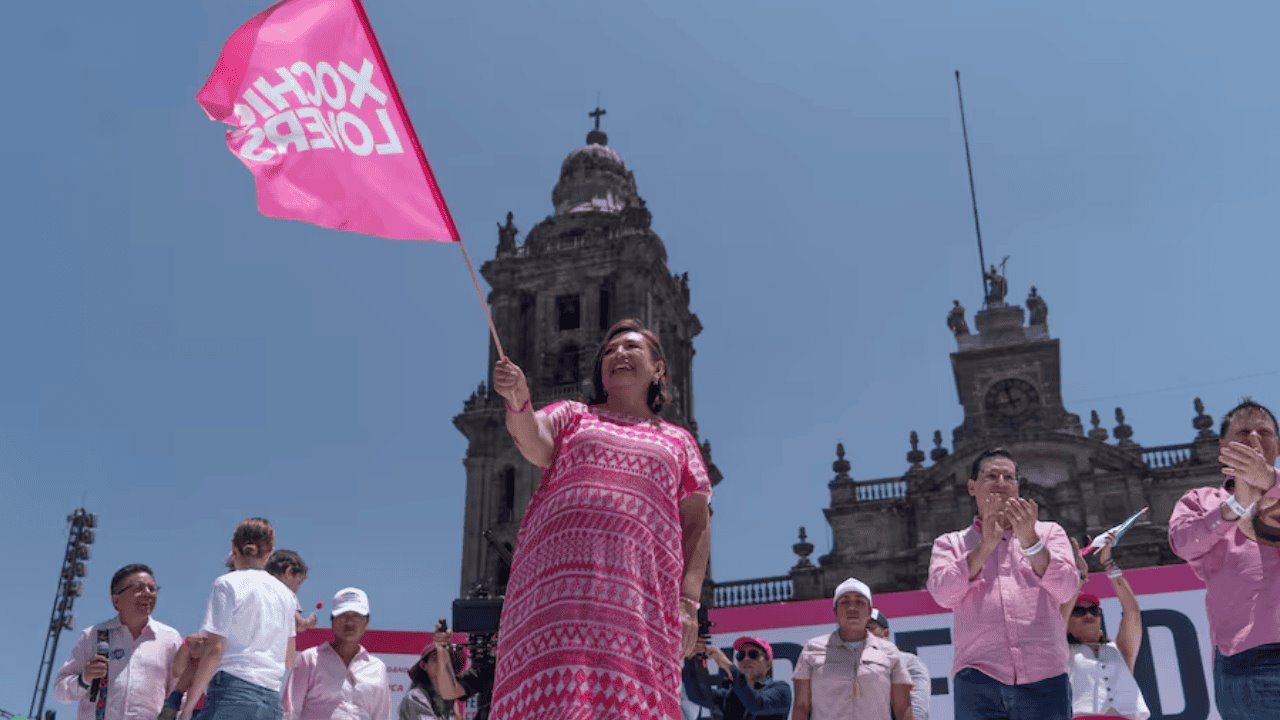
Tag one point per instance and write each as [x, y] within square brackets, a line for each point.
[593, 178]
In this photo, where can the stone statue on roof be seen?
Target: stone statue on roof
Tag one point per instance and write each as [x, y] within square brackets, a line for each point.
[997, 283]
[956, 321]
[1037, 307]
[507, 234]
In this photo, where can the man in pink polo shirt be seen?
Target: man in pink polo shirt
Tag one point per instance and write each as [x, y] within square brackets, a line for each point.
[340, 680]
[851, 674]
[1230, 535]
[1006, 577]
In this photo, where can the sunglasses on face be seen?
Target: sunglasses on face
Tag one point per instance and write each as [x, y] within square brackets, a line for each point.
[1079, 611]
[753, 654]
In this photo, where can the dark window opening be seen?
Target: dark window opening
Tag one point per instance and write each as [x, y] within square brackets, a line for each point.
[567, 366]
[507, 495]
[604, 308]
[569, 312]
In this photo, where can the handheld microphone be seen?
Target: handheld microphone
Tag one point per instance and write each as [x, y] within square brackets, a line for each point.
[103, 651]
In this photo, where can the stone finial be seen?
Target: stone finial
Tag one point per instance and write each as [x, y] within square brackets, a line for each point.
[938, 452]
[841, 466]
[477, 398]
[955, 319]
[1122, 431]
[916, 455]
[1097, 433]
[804, 549]
[1203, 423]
[1037, 308]
[507, 235]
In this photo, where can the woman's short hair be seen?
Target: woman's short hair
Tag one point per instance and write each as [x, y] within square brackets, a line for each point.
[659, 392]
[254, 537]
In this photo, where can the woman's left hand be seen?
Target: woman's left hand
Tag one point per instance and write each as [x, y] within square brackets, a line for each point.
[688, 630]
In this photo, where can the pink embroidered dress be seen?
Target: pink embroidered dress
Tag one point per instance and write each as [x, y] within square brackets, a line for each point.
[591, 623]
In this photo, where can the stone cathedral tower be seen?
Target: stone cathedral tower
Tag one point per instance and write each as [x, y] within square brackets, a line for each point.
[595, 261]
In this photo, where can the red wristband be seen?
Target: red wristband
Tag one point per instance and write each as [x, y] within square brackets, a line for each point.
[515, 411]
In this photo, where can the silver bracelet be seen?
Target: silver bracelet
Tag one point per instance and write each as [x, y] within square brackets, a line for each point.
[1034, 548]
[1113, 574]
[1237, 508]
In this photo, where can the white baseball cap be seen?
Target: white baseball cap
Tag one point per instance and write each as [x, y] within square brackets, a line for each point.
[852, 585]
[350, 600]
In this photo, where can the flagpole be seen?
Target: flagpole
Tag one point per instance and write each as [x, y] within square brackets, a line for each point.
[426, 168]
[484, 304]
[973, 194]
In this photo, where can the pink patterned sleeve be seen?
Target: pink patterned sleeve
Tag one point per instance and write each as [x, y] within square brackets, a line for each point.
[693, 476]
[561, 414]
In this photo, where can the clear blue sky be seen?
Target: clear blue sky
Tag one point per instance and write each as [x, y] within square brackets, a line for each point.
[175, 362]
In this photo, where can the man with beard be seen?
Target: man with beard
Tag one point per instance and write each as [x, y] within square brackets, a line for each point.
[1006, 577]
[1230, 535]
[133, 675]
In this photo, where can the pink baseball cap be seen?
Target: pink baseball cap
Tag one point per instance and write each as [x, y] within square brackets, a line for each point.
[1087, 599]
[763, 644]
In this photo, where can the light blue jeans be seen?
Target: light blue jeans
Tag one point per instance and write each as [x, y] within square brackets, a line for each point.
[230, 698]
[1246, 685]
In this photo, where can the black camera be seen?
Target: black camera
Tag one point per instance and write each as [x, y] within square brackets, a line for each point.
[478, 616]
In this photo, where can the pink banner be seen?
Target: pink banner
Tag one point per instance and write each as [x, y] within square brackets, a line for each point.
[320, 124]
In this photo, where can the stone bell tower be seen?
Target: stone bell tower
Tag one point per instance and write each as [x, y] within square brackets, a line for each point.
[595, 261]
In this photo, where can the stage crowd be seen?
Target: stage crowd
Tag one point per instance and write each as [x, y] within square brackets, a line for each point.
[601, 612]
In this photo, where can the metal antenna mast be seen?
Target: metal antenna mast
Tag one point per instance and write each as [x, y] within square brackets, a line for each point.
[973, 194]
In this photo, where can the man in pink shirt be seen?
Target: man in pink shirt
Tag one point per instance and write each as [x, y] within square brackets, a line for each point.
[851, 674]
[1230, 535]
[340, 680]
[133, 675]
[1006, 577]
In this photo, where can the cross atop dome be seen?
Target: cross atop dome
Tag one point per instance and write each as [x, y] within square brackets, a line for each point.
[597, 136]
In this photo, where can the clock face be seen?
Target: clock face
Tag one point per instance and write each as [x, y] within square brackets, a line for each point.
[1011, 398]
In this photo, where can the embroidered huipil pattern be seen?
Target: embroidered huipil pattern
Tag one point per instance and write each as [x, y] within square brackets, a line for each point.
[591, 622]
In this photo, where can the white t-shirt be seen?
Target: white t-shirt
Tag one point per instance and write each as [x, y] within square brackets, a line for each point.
[254, 612]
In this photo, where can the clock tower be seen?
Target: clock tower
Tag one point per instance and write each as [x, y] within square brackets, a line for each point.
[1008, 378]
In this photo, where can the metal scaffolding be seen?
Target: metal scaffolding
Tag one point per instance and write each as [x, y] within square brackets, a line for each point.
[79, 538]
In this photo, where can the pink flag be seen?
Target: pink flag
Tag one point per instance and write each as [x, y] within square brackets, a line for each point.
[319, 123]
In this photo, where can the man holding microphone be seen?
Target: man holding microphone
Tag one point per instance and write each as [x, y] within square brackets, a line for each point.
[119, 668]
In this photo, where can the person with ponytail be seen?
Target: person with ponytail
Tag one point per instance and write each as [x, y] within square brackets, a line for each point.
[602, 601]
[249, 635]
